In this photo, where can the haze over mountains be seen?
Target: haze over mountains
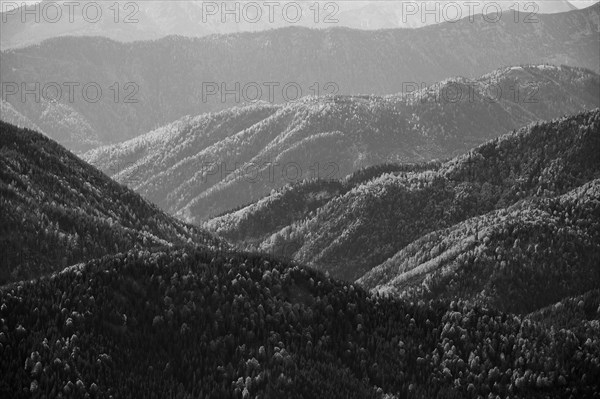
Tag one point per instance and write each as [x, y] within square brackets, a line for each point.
[203, 166]
[145, 85]
[149, 20]
[301, 213]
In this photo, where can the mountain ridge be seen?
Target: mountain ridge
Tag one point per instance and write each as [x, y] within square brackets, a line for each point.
[154, 20]
[355, 229]
[205, 165]
[152, 92]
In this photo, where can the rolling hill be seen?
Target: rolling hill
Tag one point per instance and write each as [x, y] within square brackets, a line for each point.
[127, 89]
[57, 210]
[190, 323]
[202, 166]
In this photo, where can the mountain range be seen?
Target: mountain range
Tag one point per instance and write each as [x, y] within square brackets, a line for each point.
[202, 166]
[422, 222]
[93, 91]
[482, 272]
[516, 197]
[151, 20]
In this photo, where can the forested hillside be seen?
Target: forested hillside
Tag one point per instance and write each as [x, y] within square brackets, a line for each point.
[195, 324]
[202, 166]
[517, 259]
[577, 313]
[148, 84]
[356, 229]
[249, 225]
[57, 210]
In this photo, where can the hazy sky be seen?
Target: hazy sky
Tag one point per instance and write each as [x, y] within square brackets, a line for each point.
[576, 3]
[347, 4]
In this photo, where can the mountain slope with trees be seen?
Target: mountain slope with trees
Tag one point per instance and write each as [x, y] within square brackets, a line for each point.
[148, 84]
[57, 210]
[361, 227]
[517, 259]
[203, 166]
[575, 313]
[186, 323]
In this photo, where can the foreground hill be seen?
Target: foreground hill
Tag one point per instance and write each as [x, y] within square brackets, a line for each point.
[202, 166]
[152, 83]
[195, 324]
[357, 224]
[58, 210]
